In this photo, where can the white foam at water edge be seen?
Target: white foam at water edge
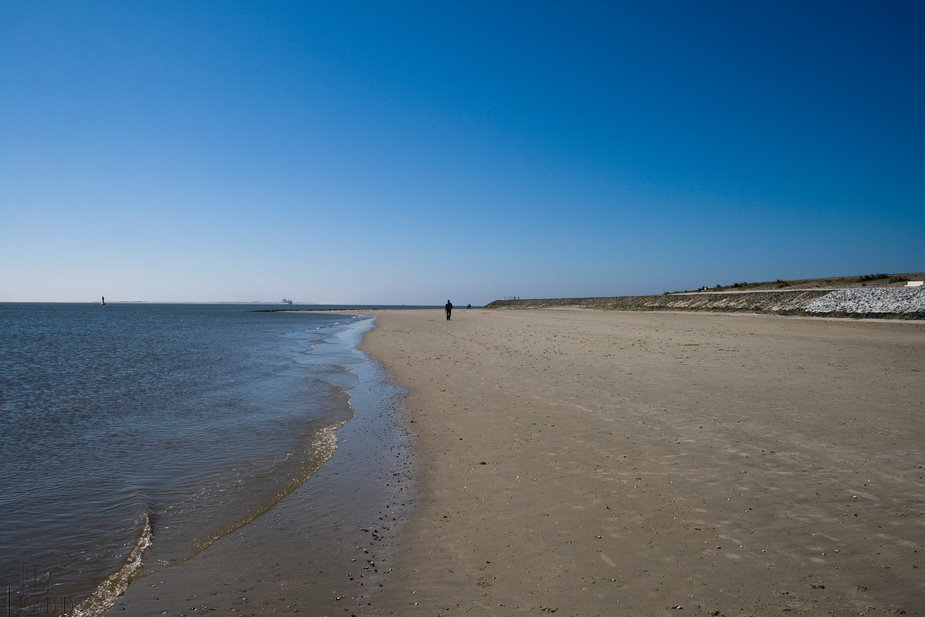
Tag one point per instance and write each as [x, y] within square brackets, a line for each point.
[104, 597]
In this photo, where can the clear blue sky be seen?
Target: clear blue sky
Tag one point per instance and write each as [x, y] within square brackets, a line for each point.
[410, 152]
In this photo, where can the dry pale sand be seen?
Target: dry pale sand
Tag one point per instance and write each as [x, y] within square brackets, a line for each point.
[579, 462]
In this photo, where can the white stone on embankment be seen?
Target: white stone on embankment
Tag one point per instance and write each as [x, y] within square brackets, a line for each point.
[877, 300]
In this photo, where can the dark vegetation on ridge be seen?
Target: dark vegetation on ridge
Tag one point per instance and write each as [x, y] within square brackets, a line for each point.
[837, 282]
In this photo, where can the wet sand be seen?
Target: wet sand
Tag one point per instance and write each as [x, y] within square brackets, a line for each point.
[580, 462]
[325, 549]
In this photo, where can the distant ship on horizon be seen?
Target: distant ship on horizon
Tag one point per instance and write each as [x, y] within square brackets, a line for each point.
[286, 301]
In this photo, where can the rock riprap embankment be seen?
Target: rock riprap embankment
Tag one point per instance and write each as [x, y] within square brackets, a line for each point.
[884, 300]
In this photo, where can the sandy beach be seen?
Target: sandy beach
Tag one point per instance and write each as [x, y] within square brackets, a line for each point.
[581, 462]
[588, 463]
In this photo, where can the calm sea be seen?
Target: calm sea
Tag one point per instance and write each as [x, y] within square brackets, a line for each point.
[132, 436]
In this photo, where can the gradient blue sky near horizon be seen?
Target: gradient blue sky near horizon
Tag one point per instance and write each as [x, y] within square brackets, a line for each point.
[409, 152]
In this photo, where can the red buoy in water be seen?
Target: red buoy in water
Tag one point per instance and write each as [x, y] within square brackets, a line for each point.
[103, 302]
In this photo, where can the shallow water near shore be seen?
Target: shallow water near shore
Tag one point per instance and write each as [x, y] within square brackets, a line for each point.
[134, 435]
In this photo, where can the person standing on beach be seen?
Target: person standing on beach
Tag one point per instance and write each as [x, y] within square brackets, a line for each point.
[449, 309]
